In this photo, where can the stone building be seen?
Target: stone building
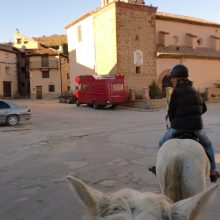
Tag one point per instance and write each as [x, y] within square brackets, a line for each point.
[43, 70]
[131, 38]
[111, 40]
[8, 72]
[192, 42]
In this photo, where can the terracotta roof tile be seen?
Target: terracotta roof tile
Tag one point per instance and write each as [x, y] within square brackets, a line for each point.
[42, 50]
[52, 40]
[186, 19]
[183, 51]
[8, 48]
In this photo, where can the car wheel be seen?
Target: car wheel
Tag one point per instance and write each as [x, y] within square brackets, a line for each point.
[68, 101]
[12, 120]
[77, 102]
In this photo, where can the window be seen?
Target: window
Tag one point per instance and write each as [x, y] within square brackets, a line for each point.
[199, 41]
[117, 87]
[191, 40]
[175, 40]
[163, 38]
[138, 69]
[79, 33]
[3, 105]
[25, 42]
[18, 40]
[44, 61]
[45, 74]
[7, 70]
[215, 42]
[51, 88]
[23, 69]
[85, 87]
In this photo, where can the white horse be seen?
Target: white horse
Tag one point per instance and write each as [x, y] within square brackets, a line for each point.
[128, 204]
[182, 168]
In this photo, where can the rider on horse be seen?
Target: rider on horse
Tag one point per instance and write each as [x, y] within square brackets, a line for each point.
[185, 111]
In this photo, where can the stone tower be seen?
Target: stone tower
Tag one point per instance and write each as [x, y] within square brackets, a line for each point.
[125, 43]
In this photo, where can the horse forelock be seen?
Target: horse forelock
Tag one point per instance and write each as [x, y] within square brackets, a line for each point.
[130, 204]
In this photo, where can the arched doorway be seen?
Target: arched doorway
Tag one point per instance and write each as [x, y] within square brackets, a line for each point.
[164, 81]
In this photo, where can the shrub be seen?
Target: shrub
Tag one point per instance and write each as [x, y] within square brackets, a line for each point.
[217, 84]
[155, 91]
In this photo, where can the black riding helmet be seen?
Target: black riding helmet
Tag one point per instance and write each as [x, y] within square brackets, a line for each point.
[179, 70]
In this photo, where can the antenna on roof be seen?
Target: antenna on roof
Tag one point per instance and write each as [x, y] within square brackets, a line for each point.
[17, 30]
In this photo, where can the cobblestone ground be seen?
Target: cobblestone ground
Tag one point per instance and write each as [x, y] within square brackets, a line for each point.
[108, 149]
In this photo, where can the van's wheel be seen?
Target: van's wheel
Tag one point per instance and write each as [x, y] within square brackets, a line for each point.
[95, 106]
[113, 106]
[12, 120]
[77, 102]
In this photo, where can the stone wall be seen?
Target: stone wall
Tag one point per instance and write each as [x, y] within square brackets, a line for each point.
[136, 33]
[124, 36]
[213, 94]
[148, 104]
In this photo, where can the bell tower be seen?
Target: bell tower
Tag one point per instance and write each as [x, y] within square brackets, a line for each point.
[139, 2]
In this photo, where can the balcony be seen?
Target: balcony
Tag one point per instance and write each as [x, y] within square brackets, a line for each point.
[51, 64]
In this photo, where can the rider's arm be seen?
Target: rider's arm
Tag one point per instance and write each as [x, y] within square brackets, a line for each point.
[204, 107]
[172, 106]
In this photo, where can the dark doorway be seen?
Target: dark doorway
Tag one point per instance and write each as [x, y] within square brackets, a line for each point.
[166, 82]
[6, 88]
[39, 92]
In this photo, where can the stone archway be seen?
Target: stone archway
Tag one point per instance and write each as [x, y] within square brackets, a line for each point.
[164, 81]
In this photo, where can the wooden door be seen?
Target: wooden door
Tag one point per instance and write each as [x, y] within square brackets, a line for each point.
[6, 88]
[39, 92]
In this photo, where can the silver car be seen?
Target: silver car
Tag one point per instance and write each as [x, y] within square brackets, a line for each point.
[11, 113]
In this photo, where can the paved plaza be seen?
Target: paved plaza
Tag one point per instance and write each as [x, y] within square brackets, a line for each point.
[108, 149]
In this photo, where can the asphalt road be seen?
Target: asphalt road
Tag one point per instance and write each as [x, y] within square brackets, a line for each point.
[108, 149]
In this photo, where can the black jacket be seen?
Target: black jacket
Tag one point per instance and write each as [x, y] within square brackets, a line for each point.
[186, 107]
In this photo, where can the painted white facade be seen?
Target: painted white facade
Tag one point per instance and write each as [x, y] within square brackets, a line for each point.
[81, 52]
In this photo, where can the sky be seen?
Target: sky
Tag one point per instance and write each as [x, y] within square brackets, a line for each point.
[35, 18]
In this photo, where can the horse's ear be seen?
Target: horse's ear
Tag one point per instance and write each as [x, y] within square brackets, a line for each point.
[191, 208]
[89, 196]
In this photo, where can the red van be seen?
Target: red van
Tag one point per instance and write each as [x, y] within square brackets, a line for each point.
[100, 91]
